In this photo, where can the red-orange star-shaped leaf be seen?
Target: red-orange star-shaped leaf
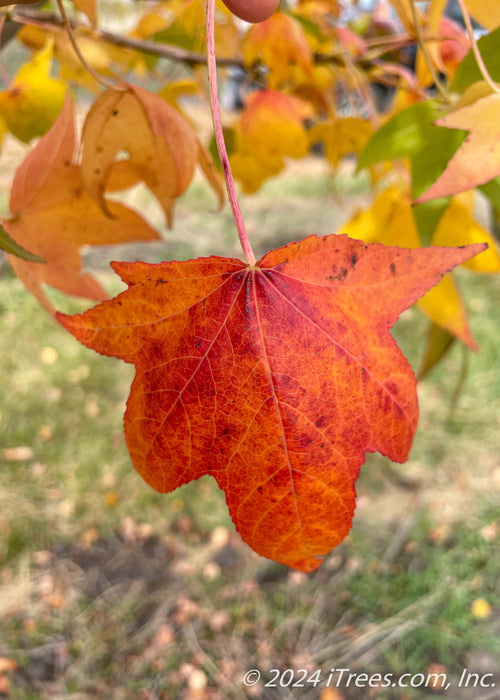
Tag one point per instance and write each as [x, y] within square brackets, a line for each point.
[274, 378]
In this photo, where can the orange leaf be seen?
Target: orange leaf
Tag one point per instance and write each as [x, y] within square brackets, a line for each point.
[280, 43]
[53, 216]
[271, 128]
[88, 7]
[478, 159]
[162, 146]
[274, 378]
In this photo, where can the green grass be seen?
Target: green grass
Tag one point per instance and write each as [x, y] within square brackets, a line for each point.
[120, 590]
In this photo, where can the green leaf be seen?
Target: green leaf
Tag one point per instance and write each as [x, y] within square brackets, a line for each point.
[229, 140]
[439, 341]
[176, 34]
[427, 217]
[412, 134]
[491, 190]
[10, 246]
[468, 71]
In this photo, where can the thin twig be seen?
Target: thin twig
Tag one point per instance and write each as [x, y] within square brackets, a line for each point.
[475, 49]
[421, 45]
[364, 94]
[219, 135]
[50, 21]
[3, 72]
[81, 57]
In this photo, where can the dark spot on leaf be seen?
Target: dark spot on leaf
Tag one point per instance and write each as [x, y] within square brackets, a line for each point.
[393, 268]
[319, 421]
[67, 163]
[97, 171]
[115, 113]
[260, 489]
[354, 259]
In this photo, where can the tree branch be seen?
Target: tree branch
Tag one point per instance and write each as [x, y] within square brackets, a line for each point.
[47, 20]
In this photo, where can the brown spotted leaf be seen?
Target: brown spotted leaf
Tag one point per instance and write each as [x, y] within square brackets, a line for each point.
[162, 147]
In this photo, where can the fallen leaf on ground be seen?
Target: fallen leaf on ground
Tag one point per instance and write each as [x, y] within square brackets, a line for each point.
[274, 378]
[480, 608]
[17, 454]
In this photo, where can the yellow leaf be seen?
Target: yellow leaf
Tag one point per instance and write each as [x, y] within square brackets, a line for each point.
[341, 137]
[458, 227]
[442, 304]
[480, 608]
[102, 56]
[405, 13]
[320, 13]
[435, 10]
[315, 88]
[270, 129]
[149, 24]
[251, 172]
[281, 44]
[486, 12]
[473, 93]
[3, 129]
[163, 149]
[390, 221]
[89, 8]
[171, 92]
[31, 105]
[182, 22]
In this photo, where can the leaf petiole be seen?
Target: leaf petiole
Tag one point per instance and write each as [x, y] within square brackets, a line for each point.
[219, 136]
[475, 49]
[69, 30]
